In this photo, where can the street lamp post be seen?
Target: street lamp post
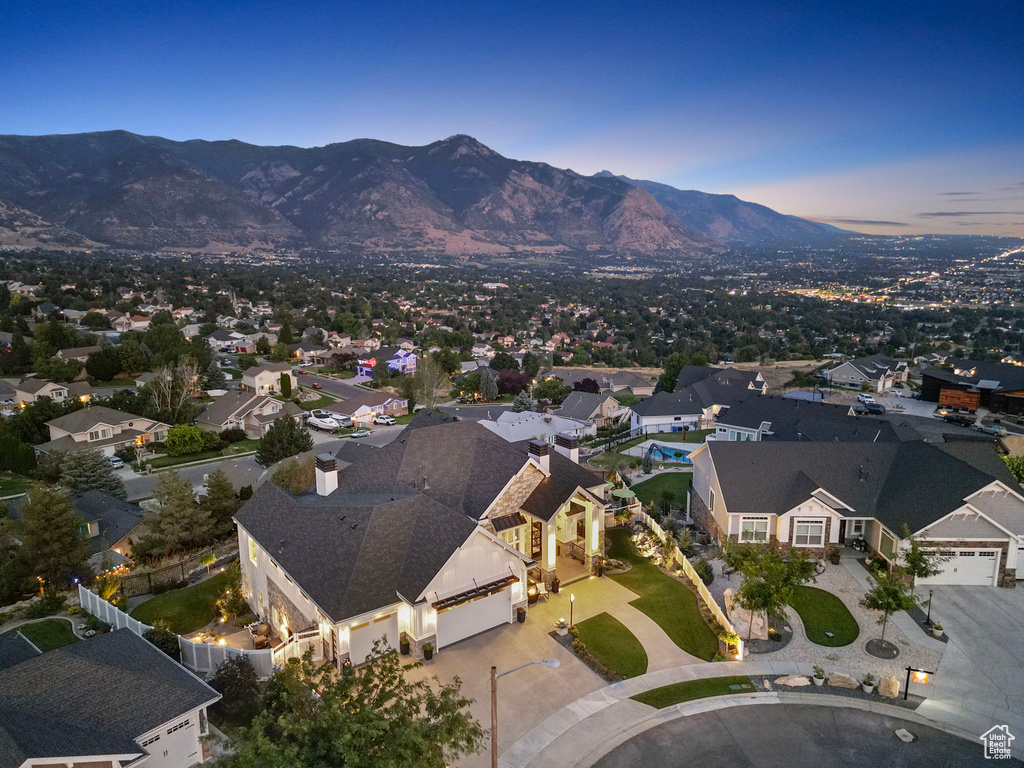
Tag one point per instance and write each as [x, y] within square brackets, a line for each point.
[494, 701]
[572, 601]
[928, 619]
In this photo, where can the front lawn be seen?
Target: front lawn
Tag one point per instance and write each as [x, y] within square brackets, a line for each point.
[676, 483]
[613, 645]
[405, 418]
[321, 402]
[47, 634]
[11, 484]
[667, 601]
[822, 612]
[667, 695]
[184, 610]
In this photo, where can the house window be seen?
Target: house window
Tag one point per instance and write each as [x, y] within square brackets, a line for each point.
[84, 529]
[513, 537]
[754, 529]
[887, 545]
[809, 533]
[252, 550]
[94, 435]
[711, 505]
[856, 527]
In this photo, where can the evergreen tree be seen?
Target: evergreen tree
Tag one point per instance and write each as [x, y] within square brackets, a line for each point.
[213, 377]
[220, 501]
[52, 537]
[263, 345]
[15, 572]
[488, 384]
[522, 402]
[285, 335]
[239, 685]
[286, 385]
[531, 364]
[286, 437]
[179, 524]
[674, 363]
[87, 470]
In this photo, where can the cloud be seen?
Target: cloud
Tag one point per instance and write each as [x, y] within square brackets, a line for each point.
[945, 214]
[958, 193]
[865, 222]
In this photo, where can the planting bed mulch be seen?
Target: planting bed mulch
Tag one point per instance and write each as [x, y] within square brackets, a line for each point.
[781, 629]
[920, 617]
[912, 703]
[882, 649]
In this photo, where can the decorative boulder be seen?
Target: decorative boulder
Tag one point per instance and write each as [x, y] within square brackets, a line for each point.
[91, 633]
[839, 680]
[889, 687]
[741, 619]
[793, 681]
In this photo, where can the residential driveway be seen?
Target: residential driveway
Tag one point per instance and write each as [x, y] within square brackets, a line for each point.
[984, 658]
[792, 736]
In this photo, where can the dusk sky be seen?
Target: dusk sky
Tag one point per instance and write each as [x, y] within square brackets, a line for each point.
[893, 117]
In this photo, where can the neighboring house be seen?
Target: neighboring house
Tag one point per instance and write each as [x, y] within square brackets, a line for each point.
[974, 384]
[30, 390]
[114, 700]
[607, 380]
[45, 309]
[778, 418]
[224, 339]
[530, 425]
[144, 378]
[700, 394]
[111, 525]
[363, 409]
[103, 428]
[309, 352]
[957, 497]
[879, 372]
[81, 354]
[246, 410]
[599, 410]
[266, 379]
[432, 538]
[401, 361]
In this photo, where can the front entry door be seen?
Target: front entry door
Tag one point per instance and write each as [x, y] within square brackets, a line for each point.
[536, 534]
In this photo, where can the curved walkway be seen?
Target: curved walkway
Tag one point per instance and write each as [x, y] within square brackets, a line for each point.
[608, 716]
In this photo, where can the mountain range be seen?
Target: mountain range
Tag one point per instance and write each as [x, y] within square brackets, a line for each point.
[455, 196]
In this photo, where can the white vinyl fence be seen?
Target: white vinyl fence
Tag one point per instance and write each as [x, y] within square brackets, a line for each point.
[201, 658]
[698, 582]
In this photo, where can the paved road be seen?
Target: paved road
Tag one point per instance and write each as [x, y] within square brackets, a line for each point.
[341, 389]
[791, 736]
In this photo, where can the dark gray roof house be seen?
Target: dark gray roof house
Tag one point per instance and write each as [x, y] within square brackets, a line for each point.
[778, 418]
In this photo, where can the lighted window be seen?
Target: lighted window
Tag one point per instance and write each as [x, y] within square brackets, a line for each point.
[252, 550]
[513, 537]
[754, 529]
[809, 533]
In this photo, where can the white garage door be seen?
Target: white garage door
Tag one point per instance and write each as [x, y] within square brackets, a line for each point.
[968, 566]
[473, 617]
[362, 637]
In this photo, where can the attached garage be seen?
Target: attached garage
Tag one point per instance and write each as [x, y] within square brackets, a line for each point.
[473, 616]
[362, 636]
[968, 567]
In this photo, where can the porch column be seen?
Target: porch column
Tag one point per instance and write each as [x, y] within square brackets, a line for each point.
[547, 550]
[593, 537]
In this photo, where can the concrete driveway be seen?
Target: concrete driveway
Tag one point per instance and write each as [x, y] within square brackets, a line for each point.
[984, 659]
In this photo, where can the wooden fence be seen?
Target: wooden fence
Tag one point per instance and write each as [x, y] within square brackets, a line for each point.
[133, 584]
[698, 582]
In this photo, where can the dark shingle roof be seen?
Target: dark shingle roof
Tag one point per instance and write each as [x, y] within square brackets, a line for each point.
[999, 377]
[88, 417]
[92, 698]
[691, 374]
[803, 420]
[116, 518]
[14, 649]
[909, 482]
[580, 405]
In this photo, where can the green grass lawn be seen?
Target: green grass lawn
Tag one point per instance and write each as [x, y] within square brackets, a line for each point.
[675, 483]
[322, 402]
[613, 645]
[11, 484]
[242, 446]
[668, 695]
[232, 373]
[405, 419]
[822, 612]
[47, 634]
[184, 610]
[626, 398]
[667, 601]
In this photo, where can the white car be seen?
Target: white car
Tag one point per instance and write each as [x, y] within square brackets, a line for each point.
[865, 398]
[115, 462]
[384, 419]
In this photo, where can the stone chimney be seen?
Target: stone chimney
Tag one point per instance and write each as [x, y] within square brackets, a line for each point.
[569, 446]
[326, 474]
[539, 453]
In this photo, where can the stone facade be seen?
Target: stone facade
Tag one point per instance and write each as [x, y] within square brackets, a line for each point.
[704, 518]
[295, 619]
[518, 491]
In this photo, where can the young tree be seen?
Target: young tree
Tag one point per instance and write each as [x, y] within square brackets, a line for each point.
[373, 715]
[888, 594]
[523, 402]
[922, 562]
[647, 465]
[382, 373]
[263, 345]
[281, 353]
[87, 470]
[239, 685]
[769, 579]
[52, 538]
[430, 379]
[179, 524]
[220, 502]
[488, 384]
[286, 437]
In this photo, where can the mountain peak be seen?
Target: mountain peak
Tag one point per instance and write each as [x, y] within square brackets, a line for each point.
[605, 175]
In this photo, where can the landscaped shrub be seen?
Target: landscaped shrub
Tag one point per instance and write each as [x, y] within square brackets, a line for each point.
[127, 454]
[47, 605]
[233, 435]
[96, 624]
[165, 640]
[236, 680]
[704, 570]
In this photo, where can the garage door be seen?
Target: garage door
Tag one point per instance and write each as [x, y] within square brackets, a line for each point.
[471, 618]
[968, 566]
[362, 637]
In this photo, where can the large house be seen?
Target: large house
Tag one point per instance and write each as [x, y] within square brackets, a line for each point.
[878, 372]
[365, 408]
[530, 425]
[974, 384]
[103, 428]
[600, 410]
[432, 538]
[265, 379]
[246, 410]
[401, 361]
[607, 380]
[957, 497]
[81, 354]
[700, 394]
[113, 700]
[30, 390]
[779, 418]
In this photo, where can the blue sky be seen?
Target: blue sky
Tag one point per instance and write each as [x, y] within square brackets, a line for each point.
[850, 112]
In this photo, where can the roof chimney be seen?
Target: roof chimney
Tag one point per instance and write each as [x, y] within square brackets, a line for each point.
[569, 446]
[539, 453]
[326, 474]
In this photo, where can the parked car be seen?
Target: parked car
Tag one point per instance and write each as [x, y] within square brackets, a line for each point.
[316, 386]
[991, 429]
[865, 398]
[116, 462]
[384, 419]
[957, 418]
[360, 433]
[876, 408]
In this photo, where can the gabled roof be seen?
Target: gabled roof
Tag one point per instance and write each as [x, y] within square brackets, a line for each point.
[34, 385]
[875, 366]
[909, 482]
[116, 518]
[256, 370]
[802, 420]
[691, 374]
[999, 377]
[581, 405]
[85, 419]
[92, 698]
